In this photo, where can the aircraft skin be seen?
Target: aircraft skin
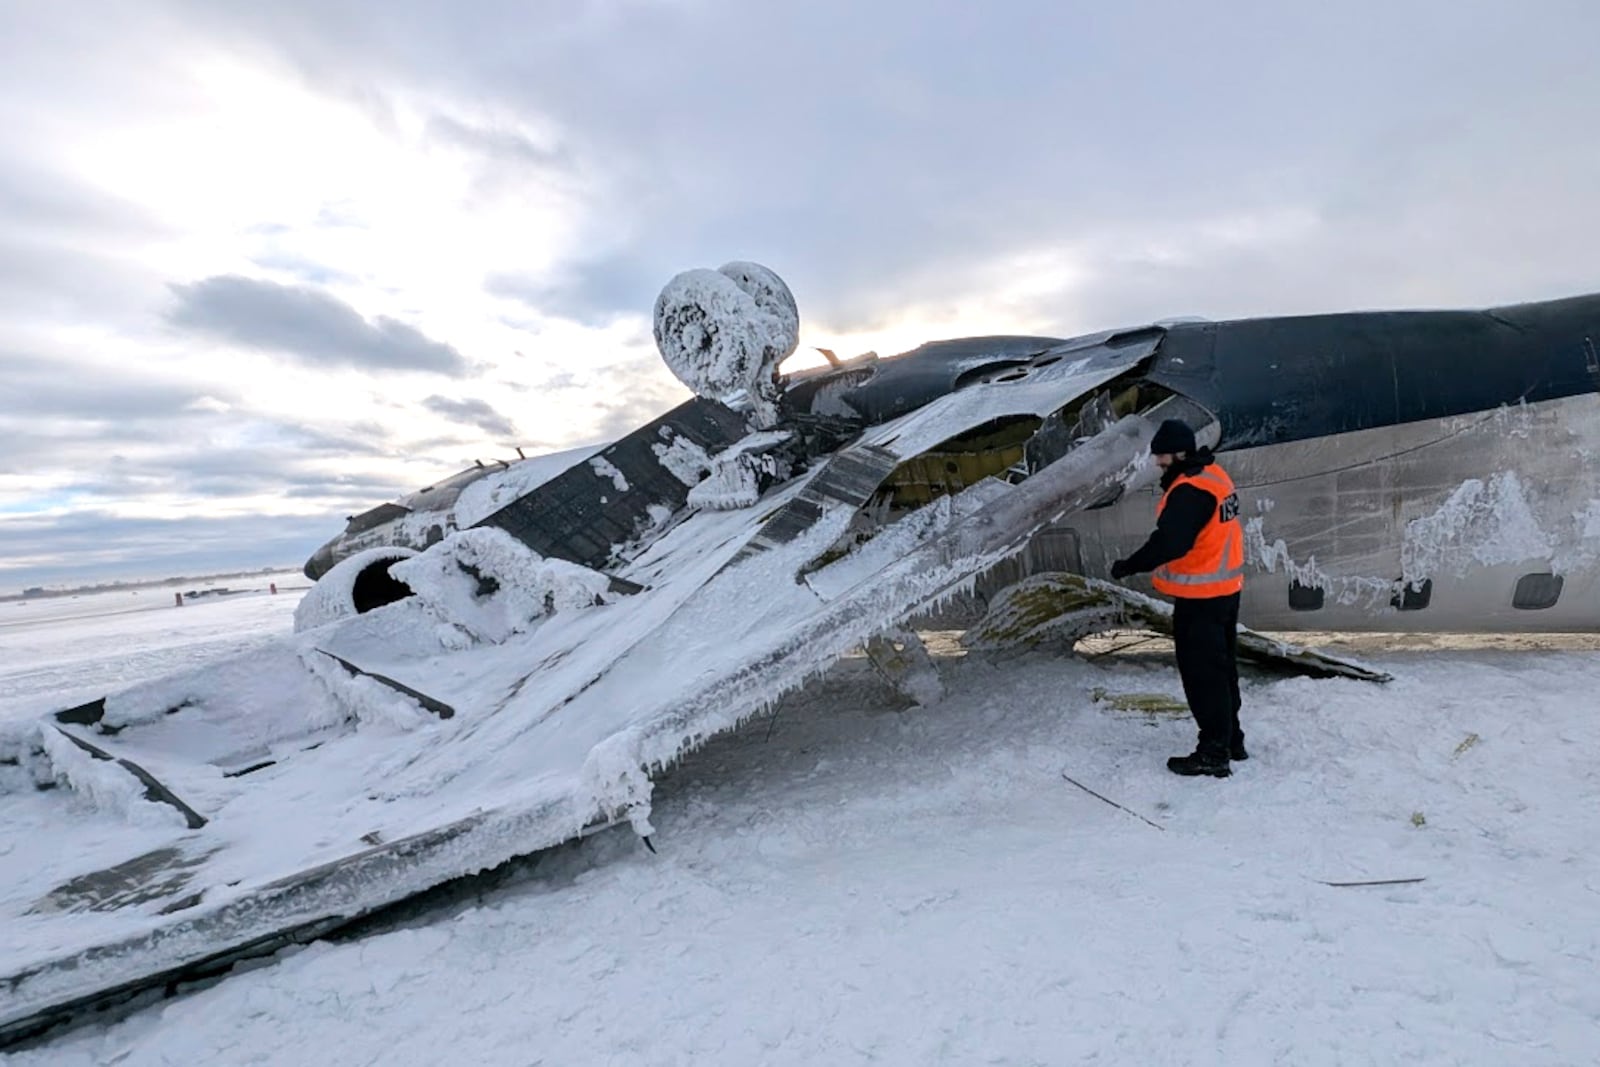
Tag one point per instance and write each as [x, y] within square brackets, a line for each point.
[1423, 470]
[1456, 448]
[1365, 446]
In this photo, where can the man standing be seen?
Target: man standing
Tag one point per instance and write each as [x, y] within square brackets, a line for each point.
[1197, 554]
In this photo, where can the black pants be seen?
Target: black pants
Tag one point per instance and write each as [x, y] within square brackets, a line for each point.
[1206, 633]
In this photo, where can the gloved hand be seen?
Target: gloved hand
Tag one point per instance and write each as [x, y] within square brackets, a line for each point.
[1119, 570]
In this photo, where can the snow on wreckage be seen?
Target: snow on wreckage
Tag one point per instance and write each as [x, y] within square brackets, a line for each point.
[515, 684]
[514, 689]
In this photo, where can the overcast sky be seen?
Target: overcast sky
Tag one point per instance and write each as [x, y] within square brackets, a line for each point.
[266, 264]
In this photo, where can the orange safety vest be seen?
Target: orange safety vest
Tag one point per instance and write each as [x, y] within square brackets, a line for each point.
[1215, 565]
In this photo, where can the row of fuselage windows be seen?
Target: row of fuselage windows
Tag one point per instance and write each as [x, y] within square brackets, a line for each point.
[1534, 592]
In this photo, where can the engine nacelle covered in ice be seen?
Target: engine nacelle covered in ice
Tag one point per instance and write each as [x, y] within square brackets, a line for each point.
[724, 332]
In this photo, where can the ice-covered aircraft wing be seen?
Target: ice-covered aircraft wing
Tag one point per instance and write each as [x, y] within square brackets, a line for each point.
[331, 784]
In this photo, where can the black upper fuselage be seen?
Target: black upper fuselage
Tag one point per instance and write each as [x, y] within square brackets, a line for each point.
[1273, 380]
[1270, 381]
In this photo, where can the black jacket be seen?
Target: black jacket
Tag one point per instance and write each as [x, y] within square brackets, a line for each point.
[1188, 510]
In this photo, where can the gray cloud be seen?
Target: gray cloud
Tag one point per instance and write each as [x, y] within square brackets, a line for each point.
[33, 199]
[51, 282]
[218, 473]
[477, 413]
[355, 439]
[650, 393]
[357, 491]
[594, 292]
[39, 387]
[957, 137]
[64, 415]
[102, 546]
[307, 324]
[500, 145]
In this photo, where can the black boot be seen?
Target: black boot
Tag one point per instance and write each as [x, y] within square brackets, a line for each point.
[1203, 760]
[1236, 748]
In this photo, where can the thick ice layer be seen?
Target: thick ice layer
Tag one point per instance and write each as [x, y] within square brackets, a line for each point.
[371, 797]
[489, 585]
[722, 332]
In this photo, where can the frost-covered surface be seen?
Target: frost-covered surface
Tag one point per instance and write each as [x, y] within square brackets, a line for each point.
[847, 881]
[731, 483]
[936, 861]
[1357, 589]
[494, 491]
[553, 730]
[725, 331]
[771, 296]
[1472, 503]
[331, 598]
[606, 469]
[683, 459]
[1478, 524]
[736, 473]
[489, 585]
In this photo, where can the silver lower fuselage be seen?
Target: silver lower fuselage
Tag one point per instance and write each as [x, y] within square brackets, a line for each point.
[1488, 522]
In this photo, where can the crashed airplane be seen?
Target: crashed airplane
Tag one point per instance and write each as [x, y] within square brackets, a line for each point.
[497, 665]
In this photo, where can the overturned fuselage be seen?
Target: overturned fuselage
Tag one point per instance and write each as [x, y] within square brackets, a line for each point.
[516, 682]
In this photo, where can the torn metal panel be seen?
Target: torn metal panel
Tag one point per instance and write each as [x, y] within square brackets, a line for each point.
[584, 516]
[584, 716]
[154, 790]
[1068, 607]
[902, 659]
[431, 704]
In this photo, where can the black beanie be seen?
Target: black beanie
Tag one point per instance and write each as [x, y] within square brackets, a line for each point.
[1173, 436]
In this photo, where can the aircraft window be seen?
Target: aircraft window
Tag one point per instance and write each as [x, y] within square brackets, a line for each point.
[1535, 592]
[1413, 597]
[1305, 597]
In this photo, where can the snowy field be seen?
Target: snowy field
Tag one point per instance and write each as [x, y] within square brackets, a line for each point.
[852, 881]
[63, 650]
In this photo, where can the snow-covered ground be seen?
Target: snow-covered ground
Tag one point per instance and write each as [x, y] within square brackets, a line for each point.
[849, 880]
[60, 651]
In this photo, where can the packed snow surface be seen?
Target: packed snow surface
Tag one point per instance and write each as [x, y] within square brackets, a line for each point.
[848, 880]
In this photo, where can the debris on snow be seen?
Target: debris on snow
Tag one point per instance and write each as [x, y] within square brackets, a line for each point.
[900, 656]
[1055, 606]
